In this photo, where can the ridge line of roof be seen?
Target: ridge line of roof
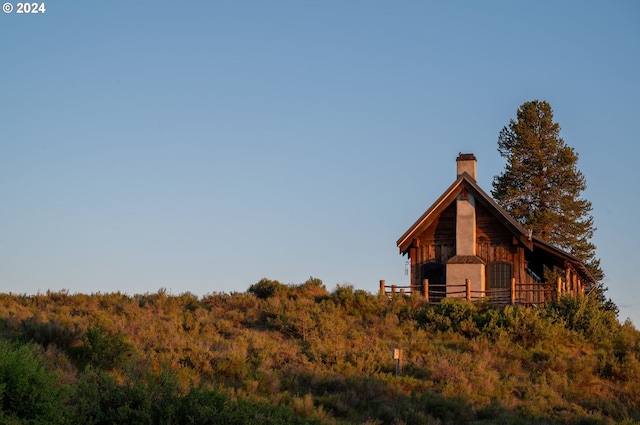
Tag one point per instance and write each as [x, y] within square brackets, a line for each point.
[527, 239]
[433, 206]
[464, 177]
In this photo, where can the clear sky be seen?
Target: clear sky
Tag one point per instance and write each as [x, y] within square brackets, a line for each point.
[200, 146]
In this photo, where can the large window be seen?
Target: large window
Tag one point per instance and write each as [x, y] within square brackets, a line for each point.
[500, 274]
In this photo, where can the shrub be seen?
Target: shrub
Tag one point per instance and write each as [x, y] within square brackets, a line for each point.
[450, 315]
[104, 350]
[587, 316]
[28, 392]
[100, 400]
[526, 326]
[313, 287]
[51, 332]
[266, 288]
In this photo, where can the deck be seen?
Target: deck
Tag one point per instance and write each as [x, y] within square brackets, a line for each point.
[524, 294]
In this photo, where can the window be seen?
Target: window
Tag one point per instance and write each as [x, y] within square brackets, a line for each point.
[500, 274]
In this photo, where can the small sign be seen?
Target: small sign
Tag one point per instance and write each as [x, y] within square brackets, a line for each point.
[396, 354]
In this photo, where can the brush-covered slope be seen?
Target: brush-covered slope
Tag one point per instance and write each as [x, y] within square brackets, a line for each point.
[298, 354]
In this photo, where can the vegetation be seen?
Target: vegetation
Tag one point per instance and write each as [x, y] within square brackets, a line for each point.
[541, 184]
[297, 354]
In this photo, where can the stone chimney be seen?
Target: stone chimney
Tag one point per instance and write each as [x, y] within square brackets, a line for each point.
[466, 162]
[466, 264]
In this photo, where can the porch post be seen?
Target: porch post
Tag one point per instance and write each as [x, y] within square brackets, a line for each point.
[425, 288]
[415, 272]
[468, 284]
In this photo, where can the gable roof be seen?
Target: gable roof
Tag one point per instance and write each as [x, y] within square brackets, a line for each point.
[467, 182]
[463, 181]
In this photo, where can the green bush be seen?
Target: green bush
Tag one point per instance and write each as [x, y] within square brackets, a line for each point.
[450, 315]
[104, 350]
[99, 400]
[29, 394]
[586, 316]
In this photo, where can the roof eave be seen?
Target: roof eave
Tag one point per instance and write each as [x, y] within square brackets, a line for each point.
[425, 219]
[405, 240]
[575, 261]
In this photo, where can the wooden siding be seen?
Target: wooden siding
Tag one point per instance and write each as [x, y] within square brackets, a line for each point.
[489, 228]
[438, 241]
[443, 228]
[493, 243]
[499, 238]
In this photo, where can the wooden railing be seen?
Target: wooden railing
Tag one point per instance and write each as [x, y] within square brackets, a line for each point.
[528, 294]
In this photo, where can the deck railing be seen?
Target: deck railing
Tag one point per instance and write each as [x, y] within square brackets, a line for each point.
[528, 294]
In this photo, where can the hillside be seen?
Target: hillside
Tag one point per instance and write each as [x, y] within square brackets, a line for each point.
[299, 354]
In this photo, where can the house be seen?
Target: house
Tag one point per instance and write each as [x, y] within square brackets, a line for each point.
[466, 245]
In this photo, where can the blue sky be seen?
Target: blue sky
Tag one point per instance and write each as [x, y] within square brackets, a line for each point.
[200, 146]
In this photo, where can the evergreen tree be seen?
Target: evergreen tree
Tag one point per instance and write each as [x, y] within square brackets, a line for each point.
[541, 185]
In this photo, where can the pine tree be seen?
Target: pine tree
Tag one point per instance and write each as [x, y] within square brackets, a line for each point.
[541, 185]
